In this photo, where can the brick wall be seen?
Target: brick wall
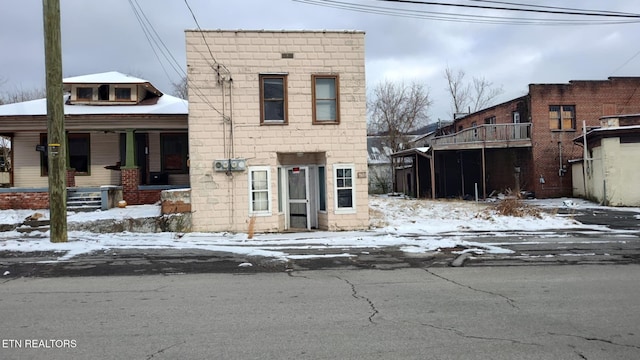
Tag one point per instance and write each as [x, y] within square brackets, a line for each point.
[592, 100]
[148, 196]
[551, 149]
[24, 200]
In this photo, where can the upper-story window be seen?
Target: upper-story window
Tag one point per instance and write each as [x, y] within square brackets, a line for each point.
[562, 117]
[123, 94]
[490, 120]
[273, 99]
[103, 92]
[326, 104]
[84, 93]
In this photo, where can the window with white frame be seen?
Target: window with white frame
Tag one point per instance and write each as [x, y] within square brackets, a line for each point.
[345, 192]
[259, 190]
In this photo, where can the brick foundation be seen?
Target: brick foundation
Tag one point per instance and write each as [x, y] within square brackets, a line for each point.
[24, 200]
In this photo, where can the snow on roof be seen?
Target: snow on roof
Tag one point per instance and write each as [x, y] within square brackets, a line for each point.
[167, 105]
[111, 77]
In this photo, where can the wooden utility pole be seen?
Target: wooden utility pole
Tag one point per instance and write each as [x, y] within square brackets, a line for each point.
[56, 147]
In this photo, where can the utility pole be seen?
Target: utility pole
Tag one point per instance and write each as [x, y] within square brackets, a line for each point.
[56, 147]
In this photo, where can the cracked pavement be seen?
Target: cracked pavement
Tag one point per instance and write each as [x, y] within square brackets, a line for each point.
[550, 312]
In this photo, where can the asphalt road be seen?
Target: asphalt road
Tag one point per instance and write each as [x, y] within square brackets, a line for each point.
[550, 312]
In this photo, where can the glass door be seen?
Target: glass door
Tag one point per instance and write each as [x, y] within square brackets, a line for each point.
[298, 197]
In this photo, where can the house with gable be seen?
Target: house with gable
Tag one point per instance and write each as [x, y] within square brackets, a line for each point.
[123, 134]
[277, 130]
[525, 144]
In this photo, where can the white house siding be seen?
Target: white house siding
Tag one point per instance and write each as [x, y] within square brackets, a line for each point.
[221, 202]
[27, 171]
[26, 161]
[103, 153]
[154, 151]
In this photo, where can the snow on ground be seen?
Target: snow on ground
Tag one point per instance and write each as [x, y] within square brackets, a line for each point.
[415, 226]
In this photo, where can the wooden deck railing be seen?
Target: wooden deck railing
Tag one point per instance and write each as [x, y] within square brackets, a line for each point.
[493, 133]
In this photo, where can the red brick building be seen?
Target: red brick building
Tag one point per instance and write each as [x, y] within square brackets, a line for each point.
[525, 143]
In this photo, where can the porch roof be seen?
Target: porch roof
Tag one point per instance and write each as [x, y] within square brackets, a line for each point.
[413, 151]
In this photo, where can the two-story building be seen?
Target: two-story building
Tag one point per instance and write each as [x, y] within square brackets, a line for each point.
[526, 143]
[277, 130]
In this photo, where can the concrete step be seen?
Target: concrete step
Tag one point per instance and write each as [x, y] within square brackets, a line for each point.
[83, 201]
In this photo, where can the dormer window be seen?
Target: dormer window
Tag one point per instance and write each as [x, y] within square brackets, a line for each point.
[84, 93]
[123, 94]
[103, 93]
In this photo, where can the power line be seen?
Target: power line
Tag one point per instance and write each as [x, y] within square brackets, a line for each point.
[149, 32]
[552, 7]
[484, 7]
[215, 62]
[462, 18]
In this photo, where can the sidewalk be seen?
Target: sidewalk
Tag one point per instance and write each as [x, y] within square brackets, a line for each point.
[404, 233]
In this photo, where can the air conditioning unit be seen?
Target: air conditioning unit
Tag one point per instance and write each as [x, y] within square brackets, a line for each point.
[230, 165]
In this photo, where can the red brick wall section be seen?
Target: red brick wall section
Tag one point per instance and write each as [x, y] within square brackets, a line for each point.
[148, 196]
[71, 178]
[24, 200]
[130, 180]
[551, 150]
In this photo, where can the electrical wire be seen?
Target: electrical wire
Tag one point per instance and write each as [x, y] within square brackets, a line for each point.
[462, 18]
[155, 41]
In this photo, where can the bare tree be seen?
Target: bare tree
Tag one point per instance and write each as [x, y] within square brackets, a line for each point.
[20, 95]
[395, 110]
[469, 97]
[458, 90]
[181, 88]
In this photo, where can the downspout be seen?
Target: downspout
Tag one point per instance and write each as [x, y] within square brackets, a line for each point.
[417, 177]
[584, 158]
[433, 174]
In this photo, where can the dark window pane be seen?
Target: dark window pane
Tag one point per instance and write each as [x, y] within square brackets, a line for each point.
[84, 93]
[344, 198]
[103, 92]
[123, 94]
[273, 89]
[173, 152]
[274, 110]
[322, 188]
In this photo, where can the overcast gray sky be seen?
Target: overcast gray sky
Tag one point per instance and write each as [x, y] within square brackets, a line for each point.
[99, 36]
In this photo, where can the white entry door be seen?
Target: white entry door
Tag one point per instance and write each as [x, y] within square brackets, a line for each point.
[298, 198]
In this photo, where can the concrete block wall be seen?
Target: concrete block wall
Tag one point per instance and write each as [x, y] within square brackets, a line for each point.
[220, 202]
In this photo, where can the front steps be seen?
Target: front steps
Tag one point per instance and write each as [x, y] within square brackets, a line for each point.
[82, 200]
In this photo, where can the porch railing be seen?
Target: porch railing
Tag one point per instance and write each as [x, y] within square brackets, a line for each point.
[493, 133]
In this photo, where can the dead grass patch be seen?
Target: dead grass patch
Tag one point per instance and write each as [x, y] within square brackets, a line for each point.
[377, 218]
[515, 207]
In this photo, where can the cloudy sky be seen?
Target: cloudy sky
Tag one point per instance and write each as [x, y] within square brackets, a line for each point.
[100, 36]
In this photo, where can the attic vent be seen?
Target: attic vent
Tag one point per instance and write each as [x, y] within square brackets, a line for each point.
[287, 55]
